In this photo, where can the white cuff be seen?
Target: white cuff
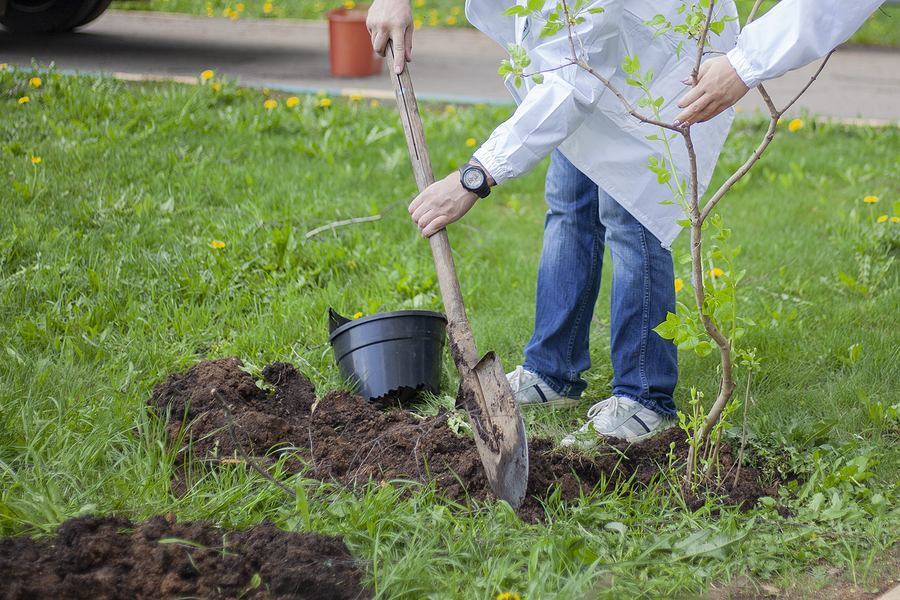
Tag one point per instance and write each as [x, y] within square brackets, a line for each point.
[491, 162]
[743, 67]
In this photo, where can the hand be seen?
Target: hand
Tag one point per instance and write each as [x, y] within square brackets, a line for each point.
[717, 88]
[391, 20]
[442, 203]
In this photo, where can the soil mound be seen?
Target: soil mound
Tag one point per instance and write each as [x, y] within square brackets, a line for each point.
[100, 558]
[343, 438]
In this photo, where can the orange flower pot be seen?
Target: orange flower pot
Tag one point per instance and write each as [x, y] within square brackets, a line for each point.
[350, 44]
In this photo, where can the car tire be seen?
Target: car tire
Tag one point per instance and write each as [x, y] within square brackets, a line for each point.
[50, 16]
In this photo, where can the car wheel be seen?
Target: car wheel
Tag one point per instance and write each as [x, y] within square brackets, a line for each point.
[48, 16]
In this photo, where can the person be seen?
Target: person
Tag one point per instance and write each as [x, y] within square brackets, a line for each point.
[599, 191]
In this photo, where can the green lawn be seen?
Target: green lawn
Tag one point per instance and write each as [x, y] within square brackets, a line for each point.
[108, 282]
[882, 29]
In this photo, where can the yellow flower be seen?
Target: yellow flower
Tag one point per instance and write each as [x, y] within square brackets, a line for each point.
[3, 66]
[451, 20]
[270, 104]
[35, 82]
[357, 315]
[374, 103]
[449, 109]
[895, 219]
[795, 125]
[292, 101]
[716, 272]
[417, 23]
[881, 219]
[217, 244]
[216, 86]
[24, 100]
[207, 74]
[433, 20]
[36, 160]
[420, 3]
[240, 6]
[455, 10]
[509, 596]
[870, 199]
[471, 142]
[267, 8]
[325, 102]
[356, 97]
[679, 284]
[266, 91]
[349, 4]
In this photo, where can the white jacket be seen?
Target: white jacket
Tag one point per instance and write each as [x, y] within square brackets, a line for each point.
[573, 111]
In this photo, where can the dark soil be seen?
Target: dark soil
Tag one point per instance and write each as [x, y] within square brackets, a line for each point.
[101, 558]
[343, 438]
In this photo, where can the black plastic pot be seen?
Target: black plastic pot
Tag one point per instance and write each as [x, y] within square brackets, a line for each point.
[390, 355]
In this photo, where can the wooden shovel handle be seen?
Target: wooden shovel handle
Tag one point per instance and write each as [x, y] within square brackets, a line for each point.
[461, 339]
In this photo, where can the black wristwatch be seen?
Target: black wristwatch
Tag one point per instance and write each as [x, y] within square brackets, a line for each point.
[474, 178]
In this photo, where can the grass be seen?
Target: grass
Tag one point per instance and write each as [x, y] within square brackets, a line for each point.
[882, 29]
[108, 282]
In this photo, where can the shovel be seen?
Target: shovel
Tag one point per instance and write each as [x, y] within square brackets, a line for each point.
[483, 388]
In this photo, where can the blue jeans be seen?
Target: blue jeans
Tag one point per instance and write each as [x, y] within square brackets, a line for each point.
[645, 366]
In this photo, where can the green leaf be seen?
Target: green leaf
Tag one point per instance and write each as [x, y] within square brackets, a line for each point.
[535, 5]
[596, 10]
[631, 65]
[515, 10]
[538, 78]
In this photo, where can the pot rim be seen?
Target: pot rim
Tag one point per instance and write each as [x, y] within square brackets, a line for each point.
[352, 15]
[384, 315]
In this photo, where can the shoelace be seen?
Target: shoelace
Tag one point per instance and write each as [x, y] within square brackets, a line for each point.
[515, 382]
[610, 405]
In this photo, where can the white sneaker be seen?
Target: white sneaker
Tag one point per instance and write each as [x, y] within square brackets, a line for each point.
[618, 417]
[530, 390]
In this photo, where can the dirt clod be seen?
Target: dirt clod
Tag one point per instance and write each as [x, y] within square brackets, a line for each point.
[351, 441]
[100, 558]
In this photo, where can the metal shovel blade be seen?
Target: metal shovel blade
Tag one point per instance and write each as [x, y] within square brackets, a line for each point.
[498, 427]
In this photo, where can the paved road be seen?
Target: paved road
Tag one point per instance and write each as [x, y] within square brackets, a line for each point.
[454, 64]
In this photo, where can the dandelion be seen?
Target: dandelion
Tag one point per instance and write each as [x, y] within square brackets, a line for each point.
[240, 7]
[895, 219]
[795, 125]
[356, 97]
[35, 82]
[509, 596]
[870, 199]
[270, 104]
[216, 86]
[324, 102]
[455, 10]
[24, 100]
[292, 102]
[716, 272]
[206, 75]
[471, 142]
[679, 284]
[451, 20]
[417, 23]
[433, 20]
[357, 315]
[267, 8]
[374, 103]
[217, 244]
[36, 160]
[349, 4]
[882, 219]
[450, 109]
[3, 66]
[420, 3]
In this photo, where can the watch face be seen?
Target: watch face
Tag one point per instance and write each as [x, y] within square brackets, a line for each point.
[473, 178]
